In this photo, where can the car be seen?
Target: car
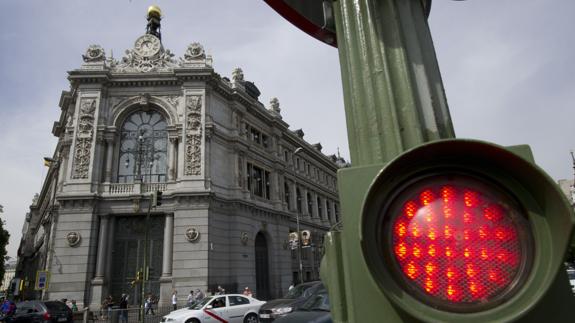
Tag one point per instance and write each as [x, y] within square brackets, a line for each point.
[41, 311]
[315, 309]
[232, 308]
[571, 274]
[294, 298]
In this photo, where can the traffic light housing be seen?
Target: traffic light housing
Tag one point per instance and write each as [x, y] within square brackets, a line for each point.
[409, 280]
[139, 276]
[157, 198]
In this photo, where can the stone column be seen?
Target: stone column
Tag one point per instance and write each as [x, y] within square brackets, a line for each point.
[168, 246]
[109, 155]
[166, 278]
[172, 162]
[98, 281]
[102, 248]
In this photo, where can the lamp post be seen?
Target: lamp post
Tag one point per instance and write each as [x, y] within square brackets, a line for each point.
[300, 264]
[144, 154]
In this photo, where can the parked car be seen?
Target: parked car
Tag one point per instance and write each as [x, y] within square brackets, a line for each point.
[571, 275]
[41, 311]
[315, 309]
[290, 302]
[232, 308]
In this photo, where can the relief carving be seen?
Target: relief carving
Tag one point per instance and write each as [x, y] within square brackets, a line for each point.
[193, 148]
[84, 136]
[94, 53]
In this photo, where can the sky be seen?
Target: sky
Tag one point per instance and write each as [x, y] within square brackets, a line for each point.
[507, 68]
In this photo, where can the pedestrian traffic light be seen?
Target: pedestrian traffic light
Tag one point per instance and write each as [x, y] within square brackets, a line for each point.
[139, 276]
[453, 230]
[156, 198]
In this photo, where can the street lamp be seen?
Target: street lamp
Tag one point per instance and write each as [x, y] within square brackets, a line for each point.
[300, 264]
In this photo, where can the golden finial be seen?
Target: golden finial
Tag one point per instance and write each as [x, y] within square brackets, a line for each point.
[154, 11]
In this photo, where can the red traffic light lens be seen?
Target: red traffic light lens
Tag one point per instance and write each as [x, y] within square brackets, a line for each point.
[457, 242]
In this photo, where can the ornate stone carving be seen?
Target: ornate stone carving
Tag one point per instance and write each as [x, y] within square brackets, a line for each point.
[173, 100]
[84, 136]
[73, 238]
[147, 55]
[275, 107]
[192, 234]
[237, 75]
[195, 51]
[193, 147]
[94, 53]
[244, 238]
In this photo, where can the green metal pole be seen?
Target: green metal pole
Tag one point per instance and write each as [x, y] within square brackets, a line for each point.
[393, 92]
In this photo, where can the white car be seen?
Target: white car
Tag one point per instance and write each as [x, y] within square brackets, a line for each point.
[232, 308]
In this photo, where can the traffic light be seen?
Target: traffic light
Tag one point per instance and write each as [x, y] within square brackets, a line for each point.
[157, 198]
[453, 230]
[139, 276]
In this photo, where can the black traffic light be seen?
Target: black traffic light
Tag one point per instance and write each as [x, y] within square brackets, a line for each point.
[454, 230]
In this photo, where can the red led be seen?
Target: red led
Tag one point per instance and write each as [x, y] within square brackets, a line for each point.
[410, 208]
[401, 250]
[426, 197]
[456, 243]
[471, 198]
[400, 229]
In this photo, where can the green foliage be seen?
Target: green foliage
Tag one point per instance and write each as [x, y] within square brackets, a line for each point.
[4, 236]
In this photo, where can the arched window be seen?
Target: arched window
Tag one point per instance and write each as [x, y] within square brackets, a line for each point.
[143, 148]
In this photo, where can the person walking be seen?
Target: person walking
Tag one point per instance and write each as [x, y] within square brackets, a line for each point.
[74, 306]
[175, 299]
[198, 296]
[124, 308]
[149, 304]
[247, 292]
[191, 298]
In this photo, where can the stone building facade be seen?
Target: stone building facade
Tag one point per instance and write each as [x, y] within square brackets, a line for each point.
[233, 176]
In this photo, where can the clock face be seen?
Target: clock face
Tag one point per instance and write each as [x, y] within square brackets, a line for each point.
[147, 45]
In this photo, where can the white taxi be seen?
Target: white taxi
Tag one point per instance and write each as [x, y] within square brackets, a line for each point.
[230, 308]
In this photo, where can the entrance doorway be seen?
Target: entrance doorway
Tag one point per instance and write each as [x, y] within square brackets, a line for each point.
[262, 267]
[128, 256]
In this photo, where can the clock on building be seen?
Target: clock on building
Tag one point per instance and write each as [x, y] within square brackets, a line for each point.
[147, 45]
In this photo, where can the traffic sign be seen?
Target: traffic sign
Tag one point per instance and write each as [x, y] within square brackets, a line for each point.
[42, 279]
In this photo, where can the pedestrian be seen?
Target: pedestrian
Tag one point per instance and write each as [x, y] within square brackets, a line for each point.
[221, 290]
[124, 308]
[175, 299]
[149, 305]
[290, 287]
[191, 298]
[198, 296]
[74, 306]
[109, 304]
[247, 292]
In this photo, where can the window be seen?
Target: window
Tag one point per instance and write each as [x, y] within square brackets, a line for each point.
[219, 302]
[238, 300]
[258, 181]
[328, 210]
[286, 192]
[299, 201]
[319, 208]
[257, 136]
[143, 148]
[309, 204]
[336, 211]
[285, 155]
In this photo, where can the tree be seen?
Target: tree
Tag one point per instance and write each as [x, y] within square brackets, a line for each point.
[4, 236]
